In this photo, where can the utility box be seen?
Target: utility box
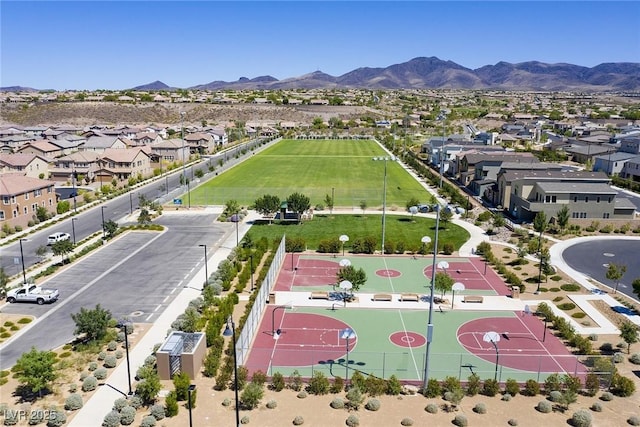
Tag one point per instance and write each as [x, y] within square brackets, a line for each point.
[181, 352]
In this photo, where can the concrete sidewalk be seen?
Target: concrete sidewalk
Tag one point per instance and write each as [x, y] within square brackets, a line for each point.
[102, 400]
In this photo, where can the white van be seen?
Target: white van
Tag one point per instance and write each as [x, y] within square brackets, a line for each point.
[57, 237]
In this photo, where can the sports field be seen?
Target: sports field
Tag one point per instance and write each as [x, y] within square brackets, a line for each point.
[317, 168]
[389, 335]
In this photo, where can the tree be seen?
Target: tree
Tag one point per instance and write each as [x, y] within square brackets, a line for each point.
[181, 382]
[41, 252]
[629, 333]
[62, 248]
[445, 216]
[298, 203]
[498, 221]
[412, 202]
[267, 205]
[563, 217]
[92, 323]
[615, 273]
[111, 228]
[35, 370]
[363, 206]
[149, 387]
[357, 277]
[444, 283]
[42, 213]
[328, 200]
[636, 286]
[145, 217]
[231, 207]
[540, 222]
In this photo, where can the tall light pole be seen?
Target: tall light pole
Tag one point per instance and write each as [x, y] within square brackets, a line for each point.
[123, 326]
[73, 229]
[443, 117]
[24, 274]
[206, 268]
[230, 331]
[74, 175]
[130, 203]
[251, 269]
[433, 285]
[104, 232]
[384, 194]
[237, 215]
[184, 159]
[190, 390]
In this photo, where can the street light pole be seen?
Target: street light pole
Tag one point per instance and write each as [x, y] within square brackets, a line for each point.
[123, 325]
[130, 203]
[104, 232]
[24, 274]
[184, 159]
[540, 269]
[232, 332]
[433, 285]
[73, 229]
[442, 117]
[206, 268]
[384, 195]
[190, 390]
[251, 269]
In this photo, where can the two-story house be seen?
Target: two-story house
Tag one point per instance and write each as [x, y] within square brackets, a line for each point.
[84, 163]
[124, 164]
[21, 196]
[168, 151]
[42, 148]
[100, 144]
[32, 165]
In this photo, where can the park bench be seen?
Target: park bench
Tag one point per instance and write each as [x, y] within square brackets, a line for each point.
[473, 298]
[319, 295]
[381, 297]
[409, 297]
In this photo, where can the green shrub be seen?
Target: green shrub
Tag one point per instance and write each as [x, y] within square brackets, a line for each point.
[36, 418]
[512, 387]
[259, 377]
[635, 358]
[244, 420]
[93, 366]
[566, 306]
[506, 397]
[277, 382]
[89, 384]
[460, 420]
[112, 346]
[544, 407]
[618, 357]
[354, 398]
[110, 361]
[157, 411]
[337, 403]
[480, 408]
[318, 384]
[353, 420]
[100, 373]
[622, 386]
[633, 421]
[431, 408]
[295, 381]
[112, 419]
[555, 396]
[406, 422]
[148, 421]
[298, 421]
[372, 405]
[171, 404]
[570, 287]
[337, 386]
[596, 407]
[73, 402]
[302, 395]
[512, 422]
[581, 418]
[433, 388]
[591, 384]
[57, 418]
[394, 387]
[531, 388]
[606, 396]
[127, 415]
[272, 404]
[490, 387]
[473, 385]
[251, 395]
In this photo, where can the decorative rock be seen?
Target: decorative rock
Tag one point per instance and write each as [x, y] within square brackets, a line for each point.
[409, 389]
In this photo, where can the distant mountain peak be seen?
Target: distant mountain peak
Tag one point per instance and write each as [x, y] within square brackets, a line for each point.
[157, 85]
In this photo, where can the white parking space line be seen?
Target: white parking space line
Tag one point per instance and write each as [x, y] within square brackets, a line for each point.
[149, 317]
[165, 299]
[156, 309]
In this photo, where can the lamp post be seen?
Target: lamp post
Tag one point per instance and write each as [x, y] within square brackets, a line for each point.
[333, 200]
[24, 275]
[276, 332]
[540, 269]
[493, 338]
[184, 159]
[104, 231]
[347, 334]
[433, 285]
[190, 390]
[73, 229]
[236, 216]
[384, 194]
[443, 117]
[343, 239]
[206, 268]
[74, 176]
[123, 326]
[230, 331]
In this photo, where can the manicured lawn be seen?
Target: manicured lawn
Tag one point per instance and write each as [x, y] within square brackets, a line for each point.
[399, 228]
[315, 168]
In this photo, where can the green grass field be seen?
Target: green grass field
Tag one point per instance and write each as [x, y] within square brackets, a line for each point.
[399, 228]
[315, 168]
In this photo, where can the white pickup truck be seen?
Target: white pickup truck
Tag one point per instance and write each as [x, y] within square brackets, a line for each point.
[32, 293]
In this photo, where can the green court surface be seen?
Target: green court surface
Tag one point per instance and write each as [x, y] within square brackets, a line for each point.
[344, 168]
[374, 353]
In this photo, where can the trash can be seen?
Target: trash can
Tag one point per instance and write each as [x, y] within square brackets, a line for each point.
[272, 298]
[515, 292]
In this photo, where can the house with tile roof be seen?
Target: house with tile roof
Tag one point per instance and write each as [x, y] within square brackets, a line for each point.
[41, 147]
[21, 196]
[124, 164]
[101, 143]
[168, 151]
[85, 163]
[32, 165]
[200, 142]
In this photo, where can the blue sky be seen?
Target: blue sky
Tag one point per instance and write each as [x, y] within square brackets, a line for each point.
[121, 44]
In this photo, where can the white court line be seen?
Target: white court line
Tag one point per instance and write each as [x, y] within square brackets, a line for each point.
[543, 346]
[404, 328]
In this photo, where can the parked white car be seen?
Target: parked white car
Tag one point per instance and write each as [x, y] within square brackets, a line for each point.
[57, 237]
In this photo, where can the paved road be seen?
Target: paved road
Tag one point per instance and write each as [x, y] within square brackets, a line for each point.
[592, 257]
[135, 276]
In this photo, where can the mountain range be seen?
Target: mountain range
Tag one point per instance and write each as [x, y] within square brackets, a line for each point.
[434, 73]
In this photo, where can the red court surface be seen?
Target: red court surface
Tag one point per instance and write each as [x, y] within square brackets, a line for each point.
[324, 337]
[474, 275]
[520, 344]
[306, 272]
